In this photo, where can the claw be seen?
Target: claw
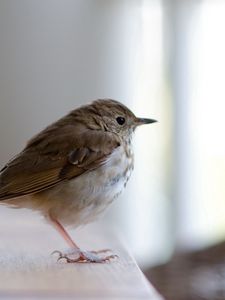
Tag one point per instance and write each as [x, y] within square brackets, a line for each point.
[60, 257]
[85, 256]
[107, 258]
[56, 252]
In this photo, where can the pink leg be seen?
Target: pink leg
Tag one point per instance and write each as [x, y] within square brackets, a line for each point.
[82, 256]
[61, 230]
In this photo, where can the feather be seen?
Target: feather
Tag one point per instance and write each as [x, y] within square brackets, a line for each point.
[56, 154]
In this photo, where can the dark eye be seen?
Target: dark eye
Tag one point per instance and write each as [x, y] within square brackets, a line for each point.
[120, 120]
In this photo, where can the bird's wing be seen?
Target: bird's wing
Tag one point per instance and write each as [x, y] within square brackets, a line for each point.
[42, 165]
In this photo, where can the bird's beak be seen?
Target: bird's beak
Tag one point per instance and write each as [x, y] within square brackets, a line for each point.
[142, 121]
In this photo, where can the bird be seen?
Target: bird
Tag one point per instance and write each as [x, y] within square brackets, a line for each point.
[74, 169]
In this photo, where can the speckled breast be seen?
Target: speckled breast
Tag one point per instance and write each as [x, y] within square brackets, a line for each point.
[87, 196]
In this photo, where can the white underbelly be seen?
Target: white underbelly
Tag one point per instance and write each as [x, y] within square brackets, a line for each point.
[82, 199]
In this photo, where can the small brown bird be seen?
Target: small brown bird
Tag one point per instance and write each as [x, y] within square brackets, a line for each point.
[72, 170]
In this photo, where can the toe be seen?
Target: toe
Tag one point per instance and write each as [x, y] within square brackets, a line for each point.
[81, 256]
[109, 257]
[101, 251]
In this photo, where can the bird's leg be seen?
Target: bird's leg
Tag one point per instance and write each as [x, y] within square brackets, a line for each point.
[76, 254]
[61, 230]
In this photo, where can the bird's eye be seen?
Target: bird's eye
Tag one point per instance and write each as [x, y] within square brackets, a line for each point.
[120, 120]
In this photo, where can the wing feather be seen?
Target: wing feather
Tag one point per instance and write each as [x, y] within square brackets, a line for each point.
[42, 165]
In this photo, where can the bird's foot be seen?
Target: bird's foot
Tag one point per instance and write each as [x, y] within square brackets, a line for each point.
[83, 256]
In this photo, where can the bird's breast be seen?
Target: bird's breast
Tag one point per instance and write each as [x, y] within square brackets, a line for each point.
[81, 199]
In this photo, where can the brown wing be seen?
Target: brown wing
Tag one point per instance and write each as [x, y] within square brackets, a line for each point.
[47, 161]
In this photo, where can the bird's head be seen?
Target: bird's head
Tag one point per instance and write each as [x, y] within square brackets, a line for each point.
[116, 117]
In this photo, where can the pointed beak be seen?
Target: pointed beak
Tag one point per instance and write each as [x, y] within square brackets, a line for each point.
[142, 121]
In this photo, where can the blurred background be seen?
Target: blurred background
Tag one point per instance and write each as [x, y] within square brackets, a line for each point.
[165, 60]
